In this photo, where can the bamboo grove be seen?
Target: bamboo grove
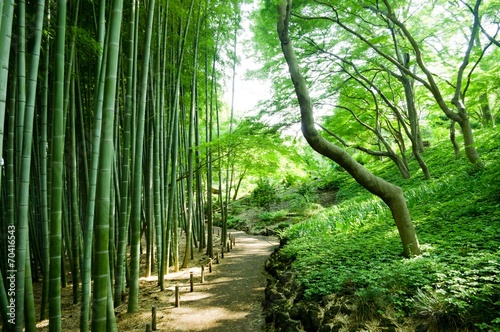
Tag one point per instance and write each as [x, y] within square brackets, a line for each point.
[110, 112]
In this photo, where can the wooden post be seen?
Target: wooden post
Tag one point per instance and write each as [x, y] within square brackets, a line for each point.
[153, 318]
[228, 248]
[231, 242]
[202, 274]
[210, 265]
[177, 297]
[148, 327]
[217, 257]
[191, 281]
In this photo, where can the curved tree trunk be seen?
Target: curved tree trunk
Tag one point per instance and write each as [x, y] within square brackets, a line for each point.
[389, 193]
[470, 148]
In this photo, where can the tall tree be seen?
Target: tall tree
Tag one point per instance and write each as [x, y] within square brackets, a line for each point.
[389, 193]
[388, 12]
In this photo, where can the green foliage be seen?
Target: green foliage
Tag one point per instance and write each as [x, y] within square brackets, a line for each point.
[296, 203]
[308, 191]
[258, 150]
[353, 249]
[273, 217]
[88, 47]
[291, 180]
[233, 222]
[264, 195]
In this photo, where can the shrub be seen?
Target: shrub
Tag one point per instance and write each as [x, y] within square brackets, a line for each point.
[264, 195]
[275, 216]
[296, 203]
[308, 191]
[233, 222]
[291, 180]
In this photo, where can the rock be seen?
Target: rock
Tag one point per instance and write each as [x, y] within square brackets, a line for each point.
[286, 278]
[295, 311]
[346, 310]
[332, 312]
[311, 317]
[281, 318]
[276, 297]
[269, 316]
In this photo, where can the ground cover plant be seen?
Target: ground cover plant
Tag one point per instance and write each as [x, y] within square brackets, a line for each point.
[352, 249]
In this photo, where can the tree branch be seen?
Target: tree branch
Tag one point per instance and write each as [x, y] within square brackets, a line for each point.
[458, 97]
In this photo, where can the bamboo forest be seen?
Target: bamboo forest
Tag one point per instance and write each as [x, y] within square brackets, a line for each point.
[269, 165]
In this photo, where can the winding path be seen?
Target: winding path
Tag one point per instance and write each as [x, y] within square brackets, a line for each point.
[230, 299]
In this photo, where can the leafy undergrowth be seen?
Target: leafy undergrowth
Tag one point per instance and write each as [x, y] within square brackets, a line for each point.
[352, 249]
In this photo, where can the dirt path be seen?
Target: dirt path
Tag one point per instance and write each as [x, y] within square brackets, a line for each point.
[230, 299]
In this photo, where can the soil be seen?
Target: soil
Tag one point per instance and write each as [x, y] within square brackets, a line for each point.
[230, 299]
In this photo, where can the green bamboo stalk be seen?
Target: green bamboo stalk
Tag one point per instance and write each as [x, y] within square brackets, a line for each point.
[5, 41]
[103, 192]
[29, 297]
[137, 178]
[199, 187]
[43, 187]
[22, 231]
[156, 187]
[157, 120]
[9, 172]
[174, 141]
[96, 137]
[163, 164]
[112, 216]
[231, 120]
[73, 221]
[148, 193]
[26, 105]
[123, 217]
[191, 148]
[57, 174]
[111, 319]
[209, 137]
[74, 210]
